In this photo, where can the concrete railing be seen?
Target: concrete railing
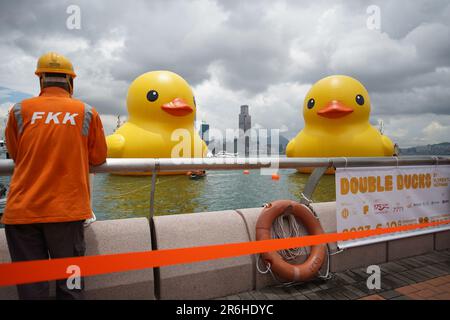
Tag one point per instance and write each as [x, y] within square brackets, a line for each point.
[216, 278]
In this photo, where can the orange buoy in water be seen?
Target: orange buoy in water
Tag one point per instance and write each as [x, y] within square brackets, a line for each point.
[275, 176]
[246, 172]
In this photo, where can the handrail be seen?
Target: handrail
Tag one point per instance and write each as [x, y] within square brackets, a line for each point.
[183, 164]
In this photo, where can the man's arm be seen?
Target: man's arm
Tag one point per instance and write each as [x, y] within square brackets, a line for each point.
[96, 141]
[12, 135]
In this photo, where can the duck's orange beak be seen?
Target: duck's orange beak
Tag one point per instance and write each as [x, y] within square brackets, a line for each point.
[177, 107]
[335, 109]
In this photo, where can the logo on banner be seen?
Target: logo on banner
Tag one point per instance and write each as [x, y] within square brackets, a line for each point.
[381, 208]
[366, 209]
[345, 213]
[398, 209]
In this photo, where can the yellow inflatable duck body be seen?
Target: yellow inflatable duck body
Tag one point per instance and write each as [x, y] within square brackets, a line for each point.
[336, 112]
[161, 115]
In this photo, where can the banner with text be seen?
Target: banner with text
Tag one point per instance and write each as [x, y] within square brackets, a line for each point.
[377, 197]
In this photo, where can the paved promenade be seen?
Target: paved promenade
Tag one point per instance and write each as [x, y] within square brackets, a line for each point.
[421, 277]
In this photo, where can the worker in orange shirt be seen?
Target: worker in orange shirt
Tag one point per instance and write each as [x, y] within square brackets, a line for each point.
[52, 138]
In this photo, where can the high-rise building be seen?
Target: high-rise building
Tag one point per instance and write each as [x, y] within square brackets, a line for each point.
[204, 132]
[245, 120]
[245, 123]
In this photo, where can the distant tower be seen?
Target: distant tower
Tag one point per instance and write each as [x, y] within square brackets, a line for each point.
[245, 120]
[204, 132]
[245, 123]
[118, 122]
[257, 145]
[381, 128]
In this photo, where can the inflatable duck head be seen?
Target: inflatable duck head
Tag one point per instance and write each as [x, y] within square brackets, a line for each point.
[161, 97]
[336, 100]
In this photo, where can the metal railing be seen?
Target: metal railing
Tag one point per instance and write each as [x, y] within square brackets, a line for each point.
[184, 164]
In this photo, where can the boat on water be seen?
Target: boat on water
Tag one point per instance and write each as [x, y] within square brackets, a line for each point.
[196, 175]
[3, 191]
[224, 154]
[3, 149]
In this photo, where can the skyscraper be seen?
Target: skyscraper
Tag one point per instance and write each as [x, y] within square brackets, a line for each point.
[204, 132]
[245, 120]
[245, 123]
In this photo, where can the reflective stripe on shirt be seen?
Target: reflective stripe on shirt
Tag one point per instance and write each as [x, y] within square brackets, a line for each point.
[87, 119]
[17, 109]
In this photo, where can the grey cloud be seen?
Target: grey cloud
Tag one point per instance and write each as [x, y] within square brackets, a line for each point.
[245, 48]
[401, 17]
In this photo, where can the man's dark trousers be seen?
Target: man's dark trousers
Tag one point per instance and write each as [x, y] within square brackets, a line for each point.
[42, 241]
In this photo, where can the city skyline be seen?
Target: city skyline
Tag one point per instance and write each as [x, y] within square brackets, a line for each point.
[254, 143]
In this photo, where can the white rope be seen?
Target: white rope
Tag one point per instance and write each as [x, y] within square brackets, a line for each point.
[286, 226]
[259, 268]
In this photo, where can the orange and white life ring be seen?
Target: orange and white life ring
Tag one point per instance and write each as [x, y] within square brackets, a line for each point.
[302, 272]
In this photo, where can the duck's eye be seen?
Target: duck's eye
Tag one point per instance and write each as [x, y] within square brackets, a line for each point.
[311, 103]
[152, 95]
[359, 99]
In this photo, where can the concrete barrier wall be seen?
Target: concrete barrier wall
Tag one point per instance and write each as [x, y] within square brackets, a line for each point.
[209, 279]
[107, 237]
[119, 236]
[215, 278]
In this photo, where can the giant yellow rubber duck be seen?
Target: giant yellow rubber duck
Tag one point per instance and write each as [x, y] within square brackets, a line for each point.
[336, 111]
[161, 114]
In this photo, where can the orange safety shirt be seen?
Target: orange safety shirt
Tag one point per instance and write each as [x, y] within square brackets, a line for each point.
[52, 139]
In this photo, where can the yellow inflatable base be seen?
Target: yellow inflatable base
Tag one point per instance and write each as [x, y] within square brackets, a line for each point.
[310, 170]
[161, 173]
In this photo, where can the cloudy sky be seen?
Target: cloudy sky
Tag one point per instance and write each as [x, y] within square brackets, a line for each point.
[263, 53]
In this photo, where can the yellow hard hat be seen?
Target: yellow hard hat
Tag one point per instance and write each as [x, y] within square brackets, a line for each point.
[54, 63]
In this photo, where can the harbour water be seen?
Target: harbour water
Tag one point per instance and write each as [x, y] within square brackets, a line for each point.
[117, 197]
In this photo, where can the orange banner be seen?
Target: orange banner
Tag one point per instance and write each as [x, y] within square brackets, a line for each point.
[46, 270]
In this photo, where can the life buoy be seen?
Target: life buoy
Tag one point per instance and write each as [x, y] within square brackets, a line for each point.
[302, 272]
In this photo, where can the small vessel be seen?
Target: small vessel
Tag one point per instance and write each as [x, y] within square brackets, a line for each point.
[196, 175]
[3, 150]
[3, 191]
[224, 154]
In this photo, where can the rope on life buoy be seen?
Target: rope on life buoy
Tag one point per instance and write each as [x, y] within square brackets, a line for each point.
[277, 262]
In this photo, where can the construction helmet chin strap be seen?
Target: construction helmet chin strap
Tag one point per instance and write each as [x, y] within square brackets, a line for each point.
[63, 79]
[69, 83]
